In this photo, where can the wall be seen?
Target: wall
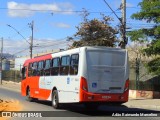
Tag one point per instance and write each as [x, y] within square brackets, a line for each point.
[19, 62]
[139, 94]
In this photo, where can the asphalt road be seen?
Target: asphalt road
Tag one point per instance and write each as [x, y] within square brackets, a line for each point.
[72, 111]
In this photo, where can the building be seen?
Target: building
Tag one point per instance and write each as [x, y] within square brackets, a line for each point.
[5, 65]
[18, 63]
[20, 60]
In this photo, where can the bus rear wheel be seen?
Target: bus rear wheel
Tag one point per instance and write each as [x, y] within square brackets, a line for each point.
[55, 100]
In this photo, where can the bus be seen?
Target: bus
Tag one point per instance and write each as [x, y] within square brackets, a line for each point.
[88, 75]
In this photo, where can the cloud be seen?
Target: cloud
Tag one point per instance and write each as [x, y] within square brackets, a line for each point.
[21, 47]
[61, 25]
[26, 10]
[129, 5]
[117, 4]
[15, 46]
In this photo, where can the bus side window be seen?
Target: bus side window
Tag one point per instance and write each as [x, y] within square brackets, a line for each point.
[55, 66]
[34, 69]
[30, 69]
[47, 67]
[24, 69]
[40, 68]
[74, 64]
[65, 62]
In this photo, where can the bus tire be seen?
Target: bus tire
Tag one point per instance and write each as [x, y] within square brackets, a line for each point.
[29, 98]
[55, 100]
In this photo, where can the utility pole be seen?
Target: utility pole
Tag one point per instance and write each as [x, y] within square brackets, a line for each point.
[137, 73]
[122, 20]
[31, 44]
[1, 59]
[123, 28]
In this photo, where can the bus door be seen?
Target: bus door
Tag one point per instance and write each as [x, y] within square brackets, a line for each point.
[23, 80]
[42, 82]
[33, 79]
[47, 78]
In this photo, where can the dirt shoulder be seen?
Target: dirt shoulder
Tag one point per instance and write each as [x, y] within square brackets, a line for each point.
[9, 105]
[11, 85]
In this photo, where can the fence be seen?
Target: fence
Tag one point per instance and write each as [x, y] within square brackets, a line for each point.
[141, 79]
[142, 85]
[11, 75]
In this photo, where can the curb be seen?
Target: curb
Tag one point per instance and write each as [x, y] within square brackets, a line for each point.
[11, 82]
[151, 107]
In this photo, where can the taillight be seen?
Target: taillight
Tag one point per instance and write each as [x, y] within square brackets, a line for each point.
[83, 84]
[126, 85]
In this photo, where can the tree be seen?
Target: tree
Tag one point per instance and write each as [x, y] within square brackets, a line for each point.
[150, 12]
[95, 32]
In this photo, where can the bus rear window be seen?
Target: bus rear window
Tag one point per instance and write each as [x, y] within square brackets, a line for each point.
[103, 58]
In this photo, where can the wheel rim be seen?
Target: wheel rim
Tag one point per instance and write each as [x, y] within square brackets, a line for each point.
[54, 100]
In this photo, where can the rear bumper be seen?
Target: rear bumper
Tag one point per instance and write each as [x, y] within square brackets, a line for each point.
[99, 97]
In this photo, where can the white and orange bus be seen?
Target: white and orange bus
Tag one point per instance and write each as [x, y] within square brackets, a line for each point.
[82, 75]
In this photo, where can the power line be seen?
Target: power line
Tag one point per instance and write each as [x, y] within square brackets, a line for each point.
[134, 7]
[122, 20]
[20, 51]
[56, 40]
[48, 43]
[112, 11]
[115, 11]
[18, 32]
[15, 34]
[62, 11]
[52, 43]
[43, 46]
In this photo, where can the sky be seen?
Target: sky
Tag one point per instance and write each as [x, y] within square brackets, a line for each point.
[54, 21]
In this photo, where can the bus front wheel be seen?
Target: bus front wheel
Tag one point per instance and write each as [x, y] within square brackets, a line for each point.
[29, 98]
[55, 100]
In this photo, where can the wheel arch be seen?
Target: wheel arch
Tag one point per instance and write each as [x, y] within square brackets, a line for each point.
[54, 88]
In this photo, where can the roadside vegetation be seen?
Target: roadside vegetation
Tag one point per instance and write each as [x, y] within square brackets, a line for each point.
[95, 32]
[149, 13]
[9, 105]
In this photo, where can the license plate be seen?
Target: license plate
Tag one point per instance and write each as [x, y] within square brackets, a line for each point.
[106, 97]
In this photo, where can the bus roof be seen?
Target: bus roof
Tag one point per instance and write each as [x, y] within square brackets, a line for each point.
[38, 58]
[49, 56]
